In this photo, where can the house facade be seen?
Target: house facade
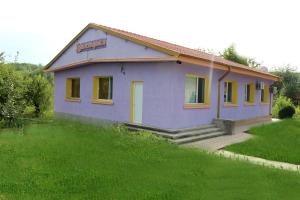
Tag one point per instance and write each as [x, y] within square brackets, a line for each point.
[113, 75]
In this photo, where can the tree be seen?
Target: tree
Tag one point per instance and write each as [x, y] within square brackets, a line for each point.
[231, 54]
[289, 86]
[12, 101]
[38, 93]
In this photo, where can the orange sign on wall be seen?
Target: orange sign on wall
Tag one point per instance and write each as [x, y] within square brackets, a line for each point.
[90, 45]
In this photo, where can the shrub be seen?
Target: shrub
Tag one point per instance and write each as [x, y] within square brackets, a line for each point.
[297, 109]
[286, 112]
[280, 103]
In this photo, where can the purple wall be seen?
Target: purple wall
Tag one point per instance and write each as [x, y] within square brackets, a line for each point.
[115, 48]
[163, 94]
[195, 117]
[164, 85]
[156, 105]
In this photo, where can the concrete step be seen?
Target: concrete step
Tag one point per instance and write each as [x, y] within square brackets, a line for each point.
[207, 126]
[198, 137]
[170, 131]
[189, 133]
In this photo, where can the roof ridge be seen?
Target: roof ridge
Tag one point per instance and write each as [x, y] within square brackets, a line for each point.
[152, 38]
[215, 57]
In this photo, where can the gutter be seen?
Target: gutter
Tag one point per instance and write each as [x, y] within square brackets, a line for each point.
[219, 90]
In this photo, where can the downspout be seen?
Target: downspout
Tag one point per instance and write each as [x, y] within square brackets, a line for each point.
[219, 90]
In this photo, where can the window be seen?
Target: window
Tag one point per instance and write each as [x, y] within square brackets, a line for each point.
[103, 89]
[264, 94]
[72, 88]
[230, 92]
[196, 90]
[250, 93]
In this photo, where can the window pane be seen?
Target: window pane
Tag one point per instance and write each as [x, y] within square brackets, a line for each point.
[110, 88]
[105, 88]
[262, 95]
[225, 91]
[201, 90]
[75, 88]
[190, 90]
[247, 92]
[229, 92]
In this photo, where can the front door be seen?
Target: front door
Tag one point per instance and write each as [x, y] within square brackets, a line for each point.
[137, 102]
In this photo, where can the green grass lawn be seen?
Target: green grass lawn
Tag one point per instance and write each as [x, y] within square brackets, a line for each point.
[67, 160]
[278, 141]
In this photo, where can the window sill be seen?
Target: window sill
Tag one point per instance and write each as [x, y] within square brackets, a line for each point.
[249, 104]
[71, 99]
[231, 105]
[102, 101]
[195, 105]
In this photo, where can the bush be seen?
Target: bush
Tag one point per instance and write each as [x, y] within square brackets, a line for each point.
[286, 112]
[297, 109]
[280, 103]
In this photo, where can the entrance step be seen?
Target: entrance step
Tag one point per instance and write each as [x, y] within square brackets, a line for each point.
[182, 136]
[189, 133]
[198, 137]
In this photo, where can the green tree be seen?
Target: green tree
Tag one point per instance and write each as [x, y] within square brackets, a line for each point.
[289, 86]
[231, 54]
[38, 93]
[12, 100]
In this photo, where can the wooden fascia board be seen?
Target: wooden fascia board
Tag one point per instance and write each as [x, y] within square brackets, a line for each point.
[111, 60]
[238, 70]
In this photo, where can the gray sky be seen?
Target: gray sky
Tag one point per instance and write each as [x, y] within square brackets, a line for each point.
[265, 30]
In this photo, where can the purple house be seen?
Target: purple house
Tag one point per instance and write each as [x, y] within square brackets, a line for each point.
[114, 75]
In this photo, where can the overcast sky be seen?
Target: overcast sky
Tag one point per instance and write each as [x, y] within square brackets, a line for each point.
[265, 30]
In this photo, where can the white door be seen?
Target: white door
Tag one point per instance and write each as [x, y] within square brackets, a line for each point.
[137, 102]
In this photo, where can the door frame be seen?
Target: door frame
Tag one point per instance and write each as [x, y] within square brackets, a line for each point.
[132, 98]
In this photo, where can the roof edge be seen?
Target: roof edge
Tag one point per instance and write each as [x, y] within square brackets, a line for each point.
[222, 66]
[112, 60]
[115, 33]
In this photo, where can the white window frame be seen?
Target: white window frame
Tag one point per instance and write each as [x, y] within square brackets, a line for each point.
[197, 89]
[226, 92]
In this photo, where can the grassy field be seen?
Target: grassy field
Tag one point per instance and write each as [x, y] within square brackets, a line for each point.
[278, 141]
[67, 160]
